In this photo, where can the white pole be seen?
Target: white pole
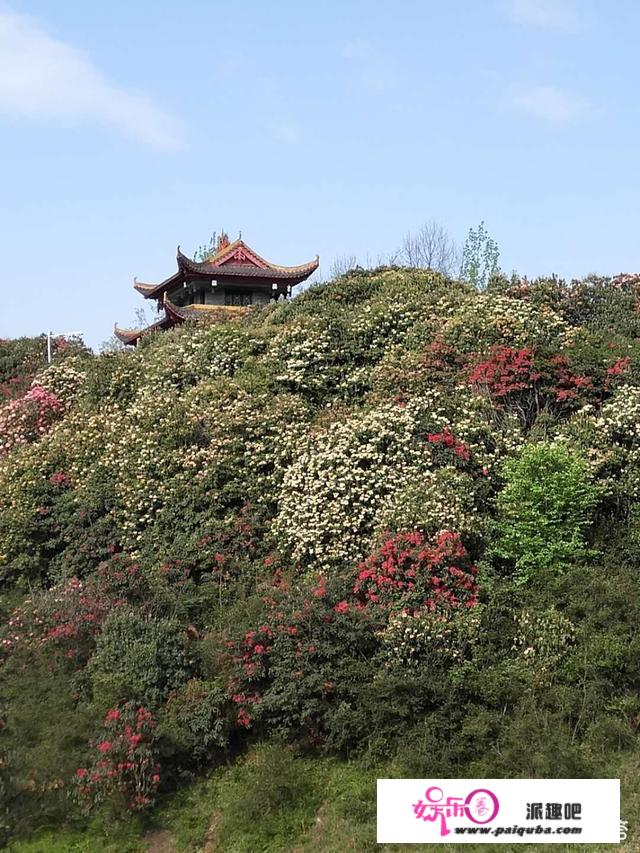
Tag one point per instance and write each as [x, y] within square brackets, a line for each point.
[59, 335]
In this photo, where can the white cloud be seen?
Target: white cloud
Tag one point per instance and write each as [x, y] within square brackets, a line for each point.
[43, 77]
[551, 104]
[550, 14]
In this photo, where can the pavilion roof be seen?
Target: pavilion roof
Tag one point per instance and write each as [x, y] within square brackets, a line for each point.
[130, 336]
[230, 260]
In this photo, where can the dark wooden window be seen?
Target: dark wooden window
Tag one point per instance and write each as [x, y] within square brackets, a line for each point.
[238, 297]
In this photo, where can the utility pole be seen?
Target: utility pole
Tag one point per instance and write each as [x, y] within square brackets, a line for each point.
[51, 335]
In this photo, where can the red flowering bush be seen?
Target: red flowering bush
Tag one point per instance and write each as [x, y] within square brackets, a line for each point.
[505, 372]
[566, 384]
[530, 382]
[125, 772]
[447, 440]
[410, 573]
[616, 370]
[291, 672]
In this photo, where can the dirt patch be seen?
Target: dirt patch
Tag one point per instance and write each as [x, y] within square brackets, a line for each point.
[160, 841]
[211, 844]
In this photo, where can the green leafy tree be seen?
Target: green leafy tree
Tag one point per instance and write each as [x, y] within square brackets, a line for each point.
[543, 510]
[480, 257]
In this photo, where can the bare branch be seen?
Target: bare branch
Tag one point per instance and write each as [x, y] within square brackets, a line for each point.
[431, 247]
[342, 264]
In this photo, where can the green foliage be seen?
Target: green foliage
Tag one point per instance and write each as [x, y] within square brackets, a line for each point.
[543, 510]
[41, 749]
[197, 722]
[267, 800]
[480, 256]
[138, 659]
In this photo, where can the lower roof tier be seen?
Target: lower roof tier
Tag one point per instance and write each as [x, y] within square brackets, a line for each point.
[175, 315]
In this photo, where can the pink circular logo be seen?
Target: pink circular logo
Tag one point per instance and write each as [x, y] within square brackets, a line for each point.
[481, 805]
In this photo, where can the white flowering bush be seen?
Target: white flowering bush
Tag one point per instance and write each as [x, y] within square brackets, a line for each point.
[443, 499]
[609, 441]
[63, 379]
[194, 353]
[541, 639]
[431, 640]
[307, 354]
[483, 320]
[345, 474]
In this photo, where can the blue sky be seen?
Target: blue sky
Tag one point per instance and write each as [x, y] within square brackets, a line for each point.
[332, 128]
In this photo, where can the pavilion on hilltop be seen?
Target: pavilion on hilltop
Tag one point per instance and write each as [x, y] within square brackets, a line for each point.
[230, 280]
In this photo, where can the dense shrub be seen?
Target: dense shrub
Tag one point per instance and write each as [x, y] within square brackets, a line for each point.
[138, 659]
[543, 510]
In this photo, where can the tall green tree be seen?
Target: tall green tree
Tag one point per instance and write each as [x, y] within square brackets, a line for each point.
[480, 257]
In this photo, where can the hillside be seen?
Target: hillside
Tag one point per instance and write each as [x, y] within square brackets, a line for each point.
[388, 528]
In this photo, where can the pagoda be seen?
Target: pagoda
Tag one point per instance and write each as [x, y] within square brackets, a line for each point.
[228, 281]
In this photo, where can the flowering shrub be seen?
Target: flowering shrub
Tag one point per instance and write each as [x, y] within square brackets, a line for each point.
[444, 499]
[412, 574]
[308, 358]
[506, 371]
[28, 418]
[63, 379]
[20, 360]
[193, 353]
[447, 440]
[531, 383]
[290, 672]
[428, 639]
[488, 319]
[611, 442]
[343, 476]
[407, 371]
[125, 773]
[68, 617]
[542, 638]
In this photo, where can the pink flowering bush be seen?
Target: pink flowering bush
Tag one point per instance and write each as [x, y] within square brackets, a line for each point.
[28, 418]
[124, 772]
[67, 618]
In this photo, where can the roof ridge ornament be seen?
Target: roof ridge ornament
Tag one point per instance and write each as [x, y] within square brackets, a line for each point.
[223, 242]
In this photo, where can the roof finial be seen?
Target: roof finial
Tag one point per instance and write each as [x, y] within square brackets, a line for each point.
[239, 235]
[223, 241]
